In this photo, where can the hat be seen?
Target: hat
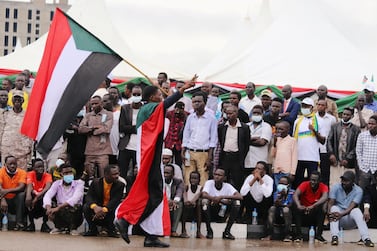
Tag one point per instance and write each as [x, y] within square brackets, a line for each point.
[167, 152]
[59, 162]
[266, 92]
[308, 101]
[369, 87]
[18, 93]
[348, 175]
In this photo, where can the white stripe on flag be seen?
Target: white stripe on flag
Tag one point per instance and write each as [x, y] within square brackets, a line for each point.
[153, 223]
[69, 61]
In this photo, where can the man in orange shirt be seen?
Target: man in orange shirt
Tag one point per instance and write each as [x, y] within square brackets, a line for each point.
[12, 190]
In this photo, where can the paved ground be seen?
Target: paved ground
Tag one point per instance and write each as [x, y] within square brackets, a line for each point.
[10, 241]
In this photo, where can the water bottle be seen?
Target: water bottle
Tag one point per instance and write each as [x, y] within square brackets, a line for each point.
[311, 235]
[193, 229]
[86, 226]
[222, 210]
[5, 222]
[254, 216]
[341, 236]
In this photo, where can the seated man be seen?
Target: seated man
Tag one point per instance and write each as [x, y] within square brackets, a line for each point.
[343, 210]
[192, 204]
[219, 196]
[103, 197]
[12, 190]
[174, 193]
[38, 183]
[257, 192]
[310, 203]
[283, 200]
[67, 215]
[370, 205]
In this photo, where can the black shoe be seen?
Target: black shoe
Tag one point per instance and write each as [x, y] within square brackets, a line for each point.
[90, 233]
[45, 228]
[334, 240]
[122, 226]
[228, 236]
[368, 243]
[112, 234]
[30, 228]
[209, 234]
[320, 239]
[156, 243]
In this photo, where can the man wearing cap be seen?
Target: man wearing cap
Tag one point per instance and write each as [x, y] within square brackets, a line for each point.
[366, 154]
[266, 98]
[290, 107]
[19, 85]
[167, 158]
[343, 210]
[247, 103]
[331, 105]
[13, 142]
[370, 103]
[306, 131]
[341, 143]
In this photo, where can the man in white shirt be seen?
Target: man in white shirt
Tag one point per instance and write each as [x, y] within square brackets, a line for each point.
[247, 103]
[199, 139]
[257, 192]
[220, 198]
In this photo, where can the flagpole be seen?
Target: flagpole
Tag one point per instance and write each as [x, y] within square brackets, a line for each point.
[142, 73]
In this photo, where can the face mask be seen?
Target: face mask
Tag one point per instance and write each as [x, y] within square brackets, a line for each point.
[136, 99]
[225, 116]
[305, 111]
[256, 118]
[9, 172]
[346, 122]
[68, 178]
[282, 187]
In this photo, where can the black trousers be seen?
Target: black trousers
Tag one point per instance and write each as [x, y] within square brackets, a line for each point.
[124, 158]
[106, 222]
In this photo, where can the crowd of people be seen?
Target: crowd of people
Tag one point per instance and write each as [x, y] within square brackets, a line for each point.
[261, 160]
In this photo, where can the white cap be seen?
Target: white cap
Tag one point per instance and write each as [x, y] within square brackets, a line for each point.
[369, 87]
[167, 152]
[59, 162]
[308, 101]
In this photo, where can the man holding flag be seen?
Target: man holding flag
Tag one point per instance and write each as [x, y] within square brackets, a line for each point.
[146, 203]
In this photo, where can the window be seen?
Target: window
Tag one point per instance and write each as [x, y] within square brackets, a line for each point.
[51, 15]
[28, 28]
[5, 52]
[36, 38]
[14, 41]
[6, 27]
[36, 25]
[28, 40]
[37, 18]
[14, 27]
[38, 12]
[6, 41]
[37, 32]
[15, 13]
[7, 13]
[29, 14]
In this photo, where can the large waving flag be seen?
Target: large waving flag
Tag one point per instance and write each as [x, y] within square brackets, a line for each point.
[73, 65]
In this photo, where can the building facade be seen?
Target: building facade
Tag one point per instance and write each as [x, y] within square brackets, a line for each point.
[21, 23]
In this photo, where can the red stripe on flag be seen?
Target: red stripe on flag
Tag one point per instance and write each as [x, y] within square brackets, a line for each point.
[58, 36]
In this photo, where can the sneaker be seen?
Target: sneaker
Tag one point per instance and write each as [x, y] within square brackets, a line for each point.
[360, 242]
[57, 231]
[287, 238]
[368, 243]
[334, 240]
[298, 238]
[228, 236]
[74, 232]
[320, 239]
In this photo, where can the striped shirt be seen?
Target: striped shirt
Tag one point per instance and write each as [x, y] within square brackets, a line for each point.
[366, 152]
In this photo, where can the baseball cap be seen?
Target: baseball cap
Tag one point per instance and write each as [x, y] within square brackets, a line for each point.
[348, 175]
[308, 101]
[266, 92]
[369, 87]
[18, 93]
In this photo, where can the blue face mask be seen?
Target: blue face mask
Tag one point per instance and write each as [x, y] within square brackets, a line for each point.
[68, 178]
[282, 187]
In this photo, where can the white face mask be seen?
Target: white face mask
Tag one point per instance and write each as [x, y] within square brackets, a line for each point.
[136, 99]
[346, 122]
[305, 111]
[256, 118]
[225, 116]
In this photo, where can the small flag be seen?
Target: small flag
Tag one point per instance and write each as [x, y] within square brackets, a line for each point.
[74, 64]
